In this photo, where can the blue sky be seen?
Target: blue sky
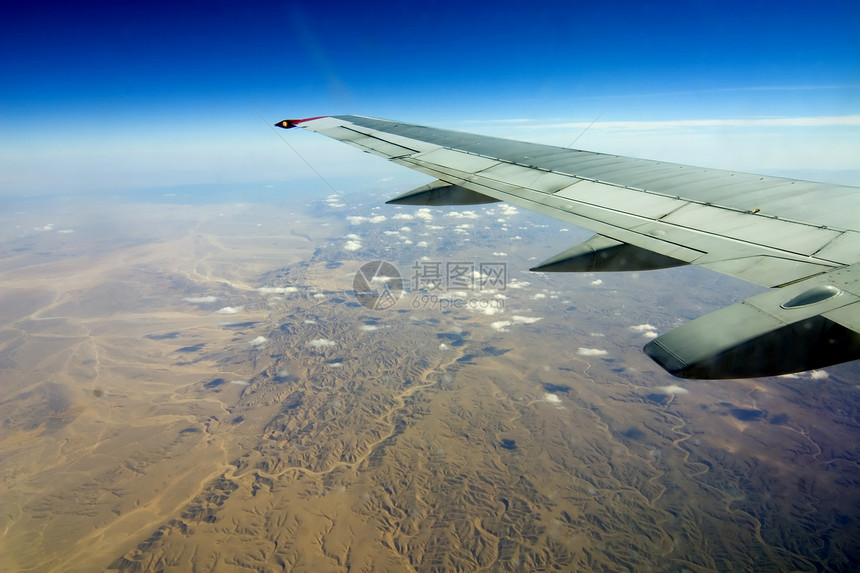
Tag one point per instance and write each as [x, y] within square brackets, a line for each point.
[105, 96]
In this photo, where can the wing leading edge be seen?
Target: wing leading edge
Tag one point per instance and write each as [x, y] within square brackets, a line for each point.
[798, 235]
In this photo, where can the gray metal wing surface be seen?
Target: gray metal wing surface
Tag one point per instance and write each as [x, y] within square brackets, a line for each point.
[800, 236]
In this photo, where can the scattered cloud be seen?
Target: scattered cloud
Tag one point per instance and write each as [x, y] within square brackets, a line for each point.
[673, 389]
[503, 325]
[277, 290]
[200, 299]
[352, 246]
[403, 216]
[229, 310]
[646, 330]
[552, 399]
[597, 282]
[462, 214]
[358, 219]
[591, 352]
[424, 213]
[443, 346]
[260, 340]
[321, 343]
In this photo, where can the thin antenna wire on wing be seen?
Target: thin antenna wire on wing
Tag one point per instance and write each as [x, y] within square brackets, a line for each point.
[575, 139]
[318, 174]
[581, 133]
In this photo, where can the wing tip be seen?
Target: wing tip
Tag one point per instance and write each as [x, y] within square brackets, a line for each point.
[290, 123]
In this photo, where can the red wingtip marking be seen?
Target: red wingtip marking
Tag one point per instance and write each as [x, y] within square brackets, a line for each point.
[288, 123]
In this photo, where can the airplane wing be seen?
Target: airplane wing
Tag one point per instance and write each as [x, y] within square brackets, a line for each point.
[800, 237]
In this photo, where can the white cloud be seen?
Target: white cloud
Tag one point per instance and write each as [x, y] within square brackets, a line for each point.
[819, 374]
[200, 299]
[258, 341]
[352, 246]
[500, 254]
[423, 244]
[321, 343]
[277, 290]
[239, 382]
[539, 296]
[503, 325]
[552, 399]
[404, 216]
[462, 214]
[229, 310]
[673, 389]
[319, 295]
[424, 213]
[650, 334]
[358, 219]
[443, 346]
[642, 328]
[526, 319]
[591, 352]
[353, 236]
[405, 229]
[597, 282]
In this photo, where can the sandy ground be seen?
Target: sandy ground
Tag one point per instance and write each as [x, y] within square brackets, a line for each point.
[195, 388]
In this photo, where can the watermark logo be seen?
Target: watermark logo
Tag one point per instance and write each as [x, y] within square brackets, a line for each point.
[457, 275]
[377, 285]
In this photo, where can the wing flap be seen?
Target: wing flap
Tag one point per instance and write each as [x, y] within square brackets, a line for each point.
[768, 334]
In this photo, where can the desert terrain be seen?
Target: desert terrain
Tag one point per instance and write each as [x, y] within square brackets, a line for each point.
[193, 387]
